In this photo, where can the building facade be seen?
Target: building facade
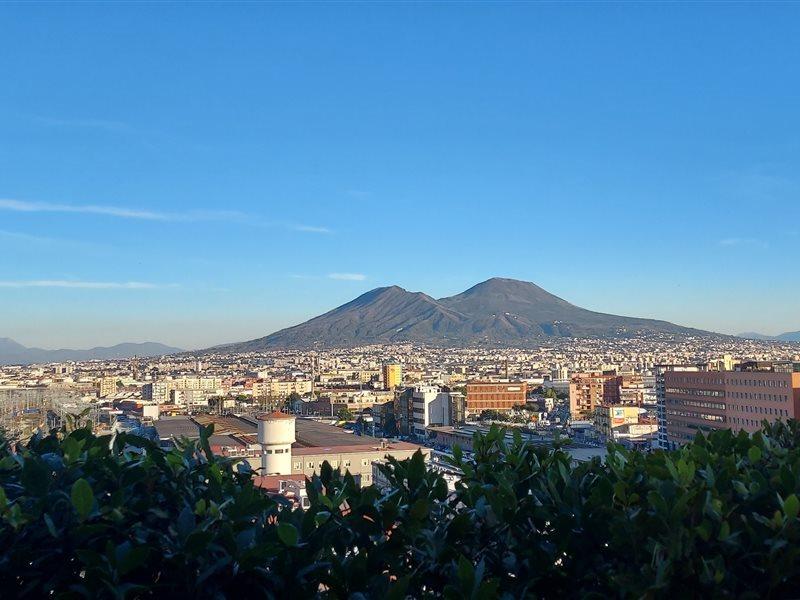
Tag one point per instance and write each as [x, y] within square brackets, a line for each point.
[704, 401]
[392, 376]
[500, 396]
[430, 407]
[589, 390]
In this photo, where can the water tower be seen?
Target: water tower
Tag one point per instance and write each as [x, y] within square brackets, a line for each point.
[276, 436]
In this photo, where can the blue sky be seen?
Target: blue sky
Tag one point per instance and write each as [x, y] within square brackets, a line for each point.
[203, 173]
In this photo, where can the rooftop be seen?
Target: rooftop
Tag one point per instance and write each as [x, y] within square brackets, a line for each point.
[309, 433]
[274, 415]
[169, 427]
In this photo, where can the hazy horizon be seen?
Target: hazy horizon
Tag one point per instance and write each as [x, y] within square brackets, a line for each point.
[204, 173]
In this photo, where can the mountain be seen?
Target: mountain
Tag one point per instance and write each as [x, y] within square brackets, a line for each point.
[497, 311]
[789, 336]
[13, 353]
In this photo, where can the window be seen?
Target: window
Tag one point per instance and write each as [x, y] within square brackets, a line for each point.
[310, 465]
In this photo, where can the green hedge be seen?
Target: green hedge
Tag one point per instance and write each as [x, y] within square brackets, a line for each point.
[88, 516]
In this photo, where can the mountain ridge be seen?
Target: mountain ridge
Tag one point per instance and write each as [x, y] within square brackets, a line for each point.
[495, 311]
[13, 353]
[789, 336]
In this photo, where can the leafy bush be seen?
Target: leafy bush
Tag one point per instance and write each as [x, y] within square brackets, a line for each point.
[88, 516]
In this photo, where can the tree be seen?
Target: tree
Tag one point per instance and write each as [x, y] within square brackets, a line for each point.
[492, 415]
[291, 400]
[100, 517]
[345, 414]
[390, 426]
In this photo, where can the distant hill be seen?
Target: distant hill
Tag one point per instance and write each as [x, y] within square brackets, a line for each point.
[497, 311]
[13, 353]
[789, 336]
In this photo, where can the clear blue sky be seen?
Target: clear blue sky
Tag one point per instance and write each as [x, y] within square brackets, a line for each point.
[203, 173]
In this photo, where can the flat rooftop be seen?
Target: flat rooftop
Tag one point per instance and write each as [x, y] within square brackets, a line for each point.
[309, 433]
[314, 434]
[169, 427]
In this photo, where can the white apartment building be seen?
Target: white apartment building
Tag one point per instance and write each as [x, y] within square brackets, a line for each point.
[430, 407]
[277, 388]
[158, 392]
[190, 398]
[209, 384]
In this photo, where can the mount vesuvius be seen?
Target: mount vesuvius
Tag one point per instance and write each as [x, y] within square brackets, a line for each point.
[495, 312]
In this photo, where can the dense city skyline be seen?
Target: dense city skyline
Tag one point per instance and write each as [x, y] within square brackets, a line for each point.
[214, 174]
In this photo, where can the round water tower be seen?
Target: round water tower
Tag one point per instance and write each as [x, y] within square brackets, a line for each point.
[276, 436]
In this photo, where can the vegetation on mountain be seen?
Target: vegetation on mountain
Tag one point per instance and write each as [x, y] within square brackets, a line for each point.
[83, 516]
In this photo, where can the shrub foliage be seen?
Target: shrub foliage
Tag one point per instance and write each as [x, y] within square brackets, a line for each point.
[89, 516]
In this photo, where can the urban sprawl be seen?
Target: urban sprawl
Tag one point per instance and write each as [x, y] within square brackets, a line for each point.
[287, 412]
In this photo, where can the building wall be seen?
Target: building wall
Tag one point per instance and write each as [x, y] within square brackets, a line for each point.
[587, 391]
[752, 397]
[276, 388]
[495, 396]
[106, 386]
[392, 376]
[358, 463]
[737, 400]
[430, 406]
[607, 417]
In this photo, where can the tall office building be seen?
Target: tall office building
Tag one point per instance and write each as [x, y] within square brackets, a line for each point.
[661, 400]
[705, 401]
[392, 376]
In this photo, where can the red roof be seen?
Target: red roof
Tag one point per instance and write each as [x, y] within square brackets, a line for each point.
[274, 415]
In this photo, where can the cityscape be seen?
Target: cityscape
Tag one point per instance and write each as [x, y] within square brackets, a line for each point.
[399, 300]
[645, 392]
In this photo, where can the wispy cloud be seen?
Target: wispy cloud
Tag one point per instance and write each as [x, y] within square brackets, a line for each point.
[347, 276]
[26, 237]
[93, 285]
[123, 212]
[310, 229]
[742, 241]
[119, 211]
[38, 240]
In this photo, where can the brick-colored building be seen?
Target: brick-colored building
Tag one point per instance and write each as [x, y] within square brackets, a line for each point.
[587, 391]
[490, 395]
[741, 399]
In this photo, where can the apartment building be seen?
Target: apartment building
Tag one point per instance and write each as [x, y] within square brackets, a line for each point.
[489, 395]
[589, 390]
[208, 384]
[392, 376]
[106, 386]
[625, 422]
[280, 388]
[157, 391]
[430, 407]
